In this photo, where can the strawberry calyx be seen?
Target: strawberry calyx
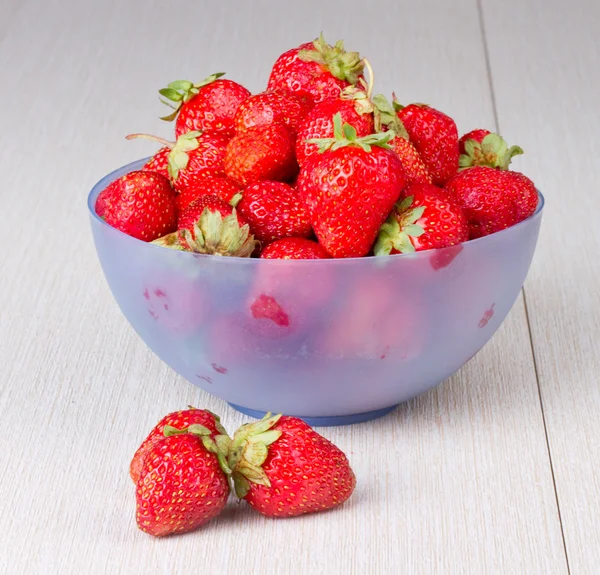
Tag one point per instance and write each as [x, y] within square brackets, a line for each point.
[493, 152]
[218, 444]
[248, 451]
[362, 102]
[213, 234]
[341, 64]
[178, 157]
[181, 91]
[345, 135]
[385, 115]
[400, 226]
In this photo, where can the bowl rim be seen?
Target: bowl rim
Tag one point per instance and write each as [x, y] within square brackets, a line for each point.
[138, 164]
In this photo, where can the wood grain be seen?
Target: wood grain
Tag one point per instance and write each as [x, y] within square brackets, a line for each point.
[546, 85]
[456, 481]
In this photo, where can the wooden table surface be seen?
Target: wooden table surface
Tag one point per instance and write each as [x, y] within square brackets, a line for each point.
[495, 471]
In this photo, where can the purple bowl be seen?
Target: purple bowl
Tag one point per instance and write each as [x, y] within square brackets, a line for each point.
[331, 341]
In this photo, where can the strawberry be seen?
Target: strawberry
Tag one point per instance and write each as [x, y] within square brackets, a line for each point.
[283, 300]
[415, 169]
[426, 218]
[210, 226]
[261, 153]
[435, 137]
[282, 468]
[224, 188]
[159, 163]
[294, 249]
[140, 204]
[477, 135]
[486, 149]
[274, 211]
[195, 155]
[493, 199]
[317, 68]
[182, 485]
[277, 106]
[350, 189]
[377, 320]
[208, 105]
[180, 420]
[188, 217]
[319, 122]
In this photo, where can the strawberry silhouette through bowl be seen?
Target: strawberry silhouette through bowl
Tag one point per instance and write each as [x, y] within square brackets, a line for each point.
[332, 341]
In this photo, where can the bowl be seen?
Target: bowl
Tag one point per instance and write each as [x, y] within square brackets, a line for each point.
[331, 341]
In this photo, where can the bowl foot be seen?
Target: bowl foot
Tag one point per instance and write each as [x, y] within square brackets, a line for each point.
[327, 421]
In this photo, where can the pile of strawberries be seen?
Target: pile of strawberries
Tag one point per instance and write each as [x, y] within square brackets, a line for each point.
[315, 167]
[279, 465]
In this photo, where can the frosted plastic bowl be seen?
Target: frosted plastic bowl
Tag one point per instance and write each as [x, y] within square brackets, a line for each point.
[341, 341]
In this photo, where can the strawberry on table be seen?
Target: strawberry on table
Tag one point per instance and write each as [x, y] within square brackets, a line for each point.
[183, 482]
[264, 152]
[425, 218]
[276, 106]
[180, 420]
[140, 204]
[209, 105]
[318, 68]
[435, 137]
[294, 249]
[274, 211]
[350, 189]
[283, 468]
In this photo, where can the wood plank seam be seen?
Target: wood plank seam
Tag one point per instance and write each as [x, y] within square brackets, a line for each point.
[526, 309]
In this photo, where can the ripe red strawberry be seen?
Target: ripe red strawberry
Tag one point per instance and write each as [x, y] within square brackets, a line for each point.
[280, 106]
[426, 218]
[317, 68]
[274, 211]
[435, 137]
[159, 163]
[319, 123]
[283, 468]
[294, 249]
[415, 169]
[350, 189]
[210, 226]
[193, 156]
[486, 149]
[188, 217]
[179, 420]
[261, 153]
[140, 204]
[209, 105]
[378, 320]
[493, 199]
[181, 486]
[224, 188]
[477, 135]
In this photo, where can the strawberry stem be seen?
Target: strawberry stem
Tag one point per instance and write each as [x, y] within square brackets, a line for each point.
[158, 139]
[371, 77]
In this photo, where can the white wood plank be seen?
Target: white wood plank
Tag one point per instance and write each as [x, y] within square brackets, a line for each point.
[457, 481]
[544, 61]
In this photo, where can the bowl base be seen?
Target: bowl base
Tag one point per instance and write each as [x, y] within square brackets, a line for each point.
[327, 421]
